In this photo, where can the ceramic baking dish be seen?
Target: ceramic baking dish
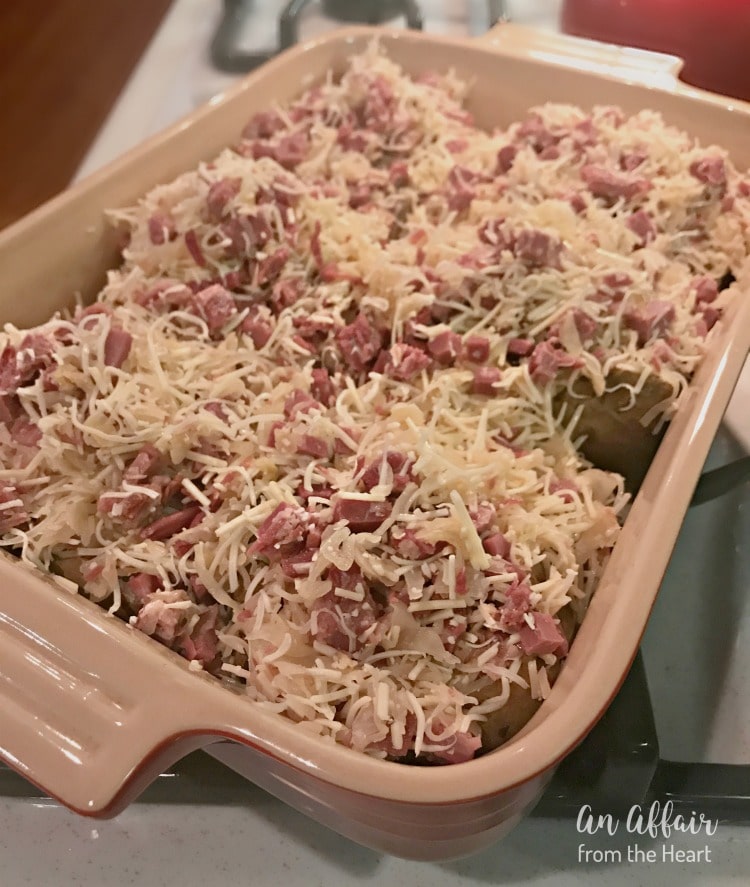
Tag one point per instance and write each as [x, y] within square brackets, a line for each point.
[92, 710]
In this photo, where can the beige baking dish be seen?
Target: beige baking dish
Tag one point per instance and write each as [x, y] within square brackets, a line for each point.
[92, 710]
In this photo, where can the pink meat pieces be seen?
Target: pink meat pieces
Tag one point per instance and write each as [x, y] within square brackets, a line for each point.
[361, 516]
[710, 316]
[352, 139]
[11, 516]
[494, 233]
[127, 509]
[258, 324]
[263, 125]
[407, 543]
[462, 747]
[642, 225]
[546, 360]
[219, 195]
[398, 174]
[194, 248]
[483, 517]
[534, 132]
[282, 533]
[484, 381]
[341, 622]
[544, 639]
[288, 151]
[653, 319]
[216, 408]
[706, 290]
[316, 447]
[399, 465]
[360, 195]
[359, 342]
[161, 228]
[117, 347]
[245, 234]
[632, 160]
[10, 409]
[585, 324]
[564, 487]
[710, 170]
[166, 294]
[215, 305]
[270, 267]
[617, 281]
[402, 362]
[19, 367]
[144, 465]
[505, 158]
[158, 619]
[476, 348]
[537, 249]
[167, 526]
[611, 186]
[299, 401]
[520, 347]
[322, 387]
[497, 545]
[517, 603]
[141, 585]
[377, 109]
[25, 432]
[202, 644]
[460, 190]
[445, 347]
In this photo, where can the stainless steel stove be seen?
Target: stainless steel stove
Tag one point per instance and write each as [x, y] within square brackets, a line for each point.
[679, 730]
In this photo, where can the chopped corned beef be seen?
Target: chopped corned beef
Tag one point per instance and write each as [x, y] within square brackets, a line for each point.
[219, 195]
[515, 606]
[361, 516]
[161, 228]
[359, 342]
[546, 360]
[545, 638]
[611, 186]
[538, 249]
[215, 305]
[642, 225]
[445, 347]
[476, 348]
[165, 527]
[117, 347]
[653, 319]
[497, 545]
[484, 381]
[710, 170]
[402, 362]
[281, 532]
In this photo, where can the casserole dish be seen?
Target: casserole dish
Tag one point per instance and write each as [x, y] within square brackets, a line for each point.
[93, 710]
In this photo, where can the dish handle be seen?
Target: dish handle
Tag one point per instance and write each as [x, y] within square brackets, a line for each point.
[88, 712]
[626, 63]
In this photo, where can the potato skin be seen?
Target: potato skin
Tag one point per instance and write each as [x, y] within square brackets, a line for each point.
[616, 440]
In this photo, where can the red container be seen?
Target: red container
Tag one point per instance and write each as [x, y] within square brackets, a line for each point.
[712, 36]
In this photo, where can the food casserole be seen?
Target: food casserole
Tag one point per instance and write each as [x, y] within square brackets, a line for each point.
[427, 786]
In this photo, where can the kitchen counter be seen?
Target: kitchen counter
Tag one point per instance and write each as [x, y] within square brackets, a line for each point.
[270, 845]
